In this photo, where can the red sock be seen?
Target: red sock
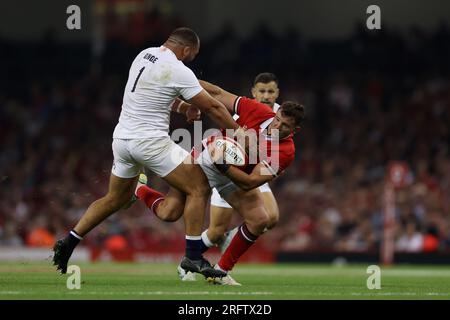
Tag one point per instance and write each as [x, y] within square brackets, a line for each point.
[151, 197]
[240, 243]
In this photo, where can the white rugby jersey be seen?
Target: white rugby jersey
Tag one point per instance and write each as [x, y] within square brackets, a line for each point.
[275, 108]
[155, 79]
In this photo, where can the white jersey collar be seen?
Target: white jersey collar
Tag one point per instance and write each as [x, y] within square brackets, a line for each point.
[170, 51]
[263, 126]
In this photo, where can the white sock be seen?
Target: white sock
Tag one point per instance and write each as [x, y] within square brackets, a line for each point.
[206, 240]
[193, 237]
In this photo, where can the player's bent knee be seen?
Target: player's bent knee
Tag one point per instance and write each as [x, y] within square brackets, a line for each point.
[198, 185]
[216, 234]
[263, 221]
[169, 216]
[272, 222]
[259, 222]
[201, 189]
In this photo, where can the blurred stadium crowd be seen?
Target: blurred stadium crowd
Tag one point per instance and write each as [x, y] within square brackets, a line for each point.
[371, 98]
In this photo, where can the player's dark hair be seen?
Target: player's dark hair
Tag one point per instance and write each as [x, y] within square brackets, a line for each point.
[293, 110]
[184, 36]
[265, 77]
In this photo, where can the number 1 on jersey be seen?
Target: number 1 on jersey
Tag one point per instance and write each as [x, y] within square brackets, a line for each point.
[137, 78]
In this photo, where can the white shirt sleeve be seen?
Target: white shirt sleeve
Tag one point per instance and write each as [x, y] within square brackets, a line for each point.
[187, 83]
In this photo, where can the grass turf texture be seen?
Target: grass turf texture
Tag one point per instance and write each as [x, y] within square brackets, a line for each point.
[276, 281]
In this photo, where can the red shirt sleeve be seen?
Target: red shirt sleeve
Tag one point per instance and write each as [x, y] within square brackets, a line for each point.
[280, 158]
[251, 112]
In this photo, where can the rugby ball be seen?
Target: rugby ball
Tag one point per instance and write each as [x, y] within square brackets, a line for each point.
[233, 154]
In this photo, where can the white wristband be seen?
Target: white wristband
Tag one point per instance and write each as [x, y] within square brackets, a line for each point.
[179, 106]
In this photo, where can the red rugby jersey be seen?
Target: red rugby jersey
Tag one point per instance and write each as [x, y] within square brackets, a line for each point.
[255, 115]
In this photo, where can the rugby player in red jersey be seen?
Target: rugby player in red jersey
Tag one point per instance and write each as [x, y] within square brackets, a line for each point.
[239, 187]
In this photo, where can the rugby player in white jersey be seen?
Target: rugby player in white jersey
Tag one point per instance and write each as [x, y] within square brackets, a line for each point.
[265, 90]
[156, 78]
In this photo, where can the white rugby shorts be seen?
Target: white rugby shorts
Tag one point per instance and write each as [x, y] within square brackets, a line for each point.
[218, 201]
[222, 186]
[159, 154]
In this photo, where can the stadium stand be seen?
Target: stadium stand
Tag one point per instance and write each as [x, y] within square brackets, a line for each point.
[370, 98]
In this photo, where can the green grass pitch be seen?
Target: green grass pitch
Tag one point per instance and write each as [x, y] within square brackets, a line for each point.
[28, 280]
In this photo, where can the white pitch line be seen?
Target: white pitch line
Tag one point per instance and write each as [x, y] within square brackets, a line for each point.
[344, 272]
[445, 294]
[142, 293]
[217, 293]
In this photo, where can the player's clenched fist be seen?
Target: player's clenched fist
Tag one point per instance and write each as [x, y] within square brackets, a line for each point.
[193, 114]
